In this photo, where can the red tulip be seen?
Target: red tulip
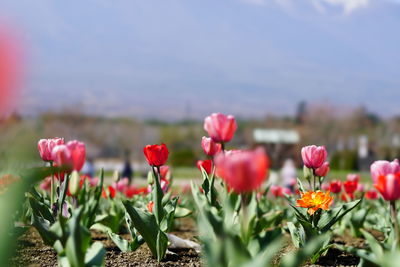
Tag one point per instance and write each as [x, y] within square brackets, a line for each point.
[350, 186]
[371, 194]
[335, 186]
[206, 165]
[156, 155]
[62, 157]
[243, 171]
[220, 127]
[78, 154]
[150, 206]
[323, 170]
[389, 186]
[383, 167]
[45, 147]
[276, 190]
[111, 192]
[210, 147]
[313, 156]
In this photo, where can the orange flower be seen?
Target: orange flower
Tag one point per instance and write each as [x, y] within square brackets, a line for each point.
[314, 201]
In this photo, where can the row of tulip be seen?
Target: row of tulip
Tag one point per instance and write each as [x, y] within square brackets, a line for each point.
[239, 223]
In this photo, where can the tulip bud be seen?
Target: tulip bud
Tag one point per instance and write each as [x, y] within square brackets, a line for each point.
[115, 176]
[74, 183]
[150, 178]
[210, 147]
[323, 170]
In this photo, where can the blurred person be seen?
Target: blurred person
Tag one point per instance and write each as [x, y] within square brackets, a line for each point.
[289, 174]
[88, 169]
[127, 171]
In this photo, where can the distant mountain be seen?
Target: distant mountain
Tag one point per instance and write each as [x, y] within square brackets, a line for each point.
[177, 59]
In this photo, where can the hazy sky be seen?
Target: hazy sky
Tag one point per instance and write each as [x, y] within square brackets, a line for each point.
[170, 58]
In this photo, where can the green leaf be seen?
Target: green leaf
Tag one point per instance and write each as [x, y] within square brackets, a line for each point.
[182, 212]
[297, 238]
[41, 210]
[161, 245]
[373, 244]
[78, 240]
[147, 226]
[43, 227]
[330, 217]
[121, 243]
[157, 194]
[95, 255]
[300, 185]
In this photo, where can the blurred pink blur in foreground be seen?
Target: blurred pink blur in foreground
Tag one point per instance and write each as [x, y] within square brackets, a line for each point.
[10, 71]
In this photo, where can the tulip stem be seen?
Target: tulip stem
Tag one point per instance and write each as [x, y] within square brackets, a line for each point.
[52, 186]
[245, 229]
[223, 147]
[395, 221]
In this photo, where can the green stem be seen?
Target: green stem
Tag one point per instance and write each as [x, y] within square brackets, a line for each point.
[393, 212]
[52, 186]
[243, 203]
[157, 195]
[223, 147]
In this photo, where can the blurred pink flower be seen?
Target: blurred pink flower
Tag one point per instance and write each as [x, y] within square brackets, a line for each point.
[220, 127]
[78, 154]
[389, 186]
[353, 177]
[384, 167]
[243, 171]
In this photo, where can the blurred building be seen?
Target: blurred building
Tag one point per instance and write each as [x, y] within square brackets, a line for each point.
[280, 144]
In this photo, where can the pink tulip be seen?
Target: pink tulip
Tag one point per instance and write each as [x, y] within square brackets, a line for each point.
[313, 156]
[276, 190]
[45, 147]
[210, 147]
[78, 154]
[121, 185]
[360, 187]
[389, 186]
[220, 127]
[164, 186]
[383, 167]
[325, 187]
[243, 171]
[94, 181]
[62, 157]
[323, 170]
[353, 177]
